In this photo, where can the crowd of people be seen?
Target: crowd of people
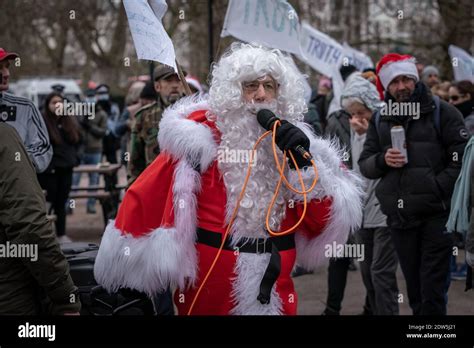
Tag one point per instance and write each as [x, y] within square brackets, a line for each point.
[415, 239]
[181, 201]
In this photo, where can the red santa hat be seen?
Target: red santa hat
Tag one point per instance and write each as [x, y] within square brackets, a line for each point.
[393, 65]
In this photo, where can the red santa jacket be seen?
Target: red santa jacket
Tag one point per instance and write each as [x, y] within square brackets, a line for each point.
[152, 243]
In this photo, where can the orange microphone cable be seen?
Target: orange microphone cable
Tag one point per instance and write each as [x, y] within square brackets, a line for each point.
[289, 186]
[231, 221]
[247, 177]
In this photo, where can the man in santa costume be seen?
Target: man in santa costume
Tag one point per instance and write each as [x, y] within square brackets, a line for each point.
[172, 220]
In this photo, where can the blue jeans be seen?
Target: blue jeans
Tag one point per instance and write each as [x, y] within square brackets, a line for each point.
[89, 158]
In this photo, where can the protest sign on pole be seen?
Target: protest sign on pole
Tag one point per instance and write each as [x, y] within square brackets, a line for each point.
[273, 23]
[325, 55]
[319, 50]
[462, 63]
[149, 36]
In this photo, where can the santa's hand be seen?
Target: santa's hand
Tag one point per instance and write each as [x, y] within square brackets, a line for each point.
[288, 137]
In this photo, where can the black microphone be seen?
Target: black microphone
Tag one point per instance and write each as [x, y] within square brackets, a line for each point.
[267, 119]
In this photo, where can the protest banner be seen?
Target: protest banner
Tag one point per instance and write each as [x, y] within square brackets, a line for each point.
[149, 36]
[319, 50]
[462, 63]
[272, 23]
[357, 58]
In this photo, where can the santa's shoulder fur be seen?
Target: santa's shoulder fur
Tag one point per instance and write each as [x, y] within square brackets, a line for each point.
[186, 133]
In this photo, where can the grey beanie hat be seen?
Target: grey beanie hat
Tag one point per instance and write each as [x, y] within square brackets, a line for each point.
[428, 70]
[361, 90]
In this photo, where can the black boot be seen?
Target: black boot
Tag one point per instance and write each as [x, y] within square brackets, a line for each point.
[329, 311]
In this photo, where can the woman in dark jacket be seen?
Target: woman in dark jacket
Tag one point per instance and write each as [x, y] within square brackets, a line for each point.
[461, 95]
[57, 179]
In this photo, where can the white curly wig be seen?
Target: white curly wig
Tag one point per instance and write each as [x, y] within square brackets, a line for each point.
[246, 62]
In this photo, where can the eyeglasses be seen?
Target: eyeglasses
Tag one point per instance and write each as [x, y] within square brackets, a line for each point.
[253, 86]
[455, 97]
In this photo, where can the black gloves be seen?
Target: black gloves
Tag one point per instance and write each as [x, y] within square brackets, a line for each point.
[288, 137]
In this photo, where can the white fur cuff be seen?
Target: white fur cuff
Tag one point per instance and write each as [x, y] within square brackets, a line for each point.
[149, 263]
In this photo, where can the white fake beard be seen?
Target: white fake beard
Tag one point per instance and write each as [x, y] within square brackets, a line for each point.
[240, 130]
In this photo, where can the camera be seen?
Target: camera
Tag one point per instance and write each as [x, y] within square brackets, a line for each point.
[7, 113]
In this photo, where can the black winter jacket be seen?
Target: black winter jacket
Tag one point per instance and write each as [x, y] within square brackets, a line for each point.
[23, 223]
[65, 154]
[423, 187]
[338, 126]
[312, 118]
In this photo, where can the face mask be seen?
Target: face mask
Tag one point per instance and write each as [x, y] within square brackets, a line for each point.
[103, 96]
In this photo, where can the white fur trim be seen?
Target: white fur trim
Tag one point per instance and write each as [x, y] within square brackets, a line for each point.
[187, 183]
[249, 269]
[391, 70]
[150, 263]
[165, 256]
[187, 139]
[345, 189]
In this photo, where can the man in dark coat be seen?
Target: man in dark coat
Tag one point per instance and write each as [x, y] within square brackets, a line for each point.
[33, 271]
[415, 192]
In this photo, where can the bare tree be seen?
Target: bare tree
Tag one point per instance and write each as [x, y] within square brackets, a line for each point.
[456, 18]
[101, 31]
[91, 39]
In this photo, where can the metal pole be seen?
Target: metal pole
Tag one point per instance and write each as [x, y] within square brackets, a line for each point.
[211, 32]
[187, 90]
[152, 68]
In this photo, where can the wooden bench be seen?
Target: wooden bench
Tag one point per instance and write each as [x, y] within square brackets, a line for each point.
[120, 187]
[51, 218]
[96, 187]
[85, 191]
[108, 195]
[105, 198]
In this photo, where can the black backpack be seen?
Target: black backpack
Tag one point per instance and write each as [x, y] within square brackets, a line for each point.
[94, 298]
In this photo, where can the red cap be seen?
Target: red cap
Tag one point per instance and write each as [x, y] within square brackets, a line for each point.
[4, 55]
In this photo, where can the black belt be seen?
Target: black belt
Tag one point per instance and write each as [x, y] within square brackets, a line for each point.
[256, 246]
